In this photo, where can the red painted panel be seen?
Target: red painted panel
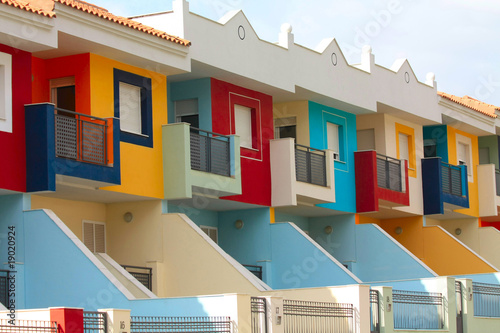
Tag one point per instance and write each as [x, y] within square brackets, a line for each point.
[255, 163]
[491, 224]
[365, 166]
[13, 159]
[68, 320]
[75, 65]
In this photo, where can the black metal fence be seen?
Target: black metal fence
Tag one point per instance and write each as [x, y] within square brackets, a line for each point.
[81, 137]
[4, 287]
[497, 181]
[140, 324]
[375, 311]
[95, 322]
[312, 317]
[255, 270]
[389, 173]
[143, 274]
[451, 177]
[417, 310]
[210, 152]
[259, 315]
[486, 299]
[28, 326]
[310, 165]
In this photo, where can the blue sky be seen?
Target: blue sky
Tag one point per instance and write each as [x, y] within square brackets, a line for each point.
[458, 40]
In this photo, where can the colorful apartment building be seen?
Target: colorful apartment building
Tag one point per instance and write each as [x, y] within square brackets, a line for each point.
[151, 170]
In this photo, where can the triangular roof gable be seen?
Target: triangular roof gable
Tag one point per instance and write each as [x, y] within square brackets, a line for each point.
[330, 48]
[235, 17]
[401, 67]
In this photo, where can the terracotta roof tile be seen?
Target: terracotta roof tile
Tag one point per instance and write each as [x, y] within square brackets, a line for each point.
[472, 104]
[30, 6]
[103, 13]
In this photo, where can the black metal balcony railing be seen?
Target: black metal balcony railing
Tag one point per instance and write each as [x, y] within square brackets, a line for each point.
[389, 173]
[4, 287]
[497, 180]
[310, 165]
[210, 152]
[255, 270]
[80, 137]
[451, 176]
[143, 274]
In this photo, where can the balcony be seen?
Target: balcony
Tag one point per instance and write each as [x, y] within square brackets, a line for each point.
[488, 182]
[75, 148]
[200, 162]
[381, 181]
[301, 175]
[445, 186]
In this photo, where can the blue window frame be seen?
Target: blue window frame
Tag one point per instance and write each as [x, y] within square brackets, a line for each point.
[145, 137]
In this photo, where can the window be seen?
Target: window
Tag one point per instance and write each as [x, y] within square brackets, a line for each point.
[130, 108]
[464, 154]
[244, 125]
[484, 155]
[5, 92]
[333, 139]
[133, 106]
[211, 232]
[62, 93]
[405, 147]
[186, 111]
[404, 153]
[285, 128]
[366, 139]
[94, 236]
[430, 148]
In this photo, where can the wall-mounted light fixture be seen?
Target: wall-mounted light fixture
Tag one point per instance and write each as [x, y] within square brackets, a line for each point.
[398, 230]
[458, 231]
[328, 229]
[128, 217]
[238, 224]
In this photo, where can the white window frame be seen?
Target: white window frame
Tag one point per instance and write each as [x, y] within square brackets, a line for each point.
[5, 92]
[93, 234]
[243, 125]
[467, 142]
[206, 227]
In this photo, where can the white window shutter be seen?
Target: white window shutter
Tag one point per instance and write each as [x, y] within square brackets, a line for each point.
[130, 108]
[404, 153]
[243, 125]
[332, 133]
